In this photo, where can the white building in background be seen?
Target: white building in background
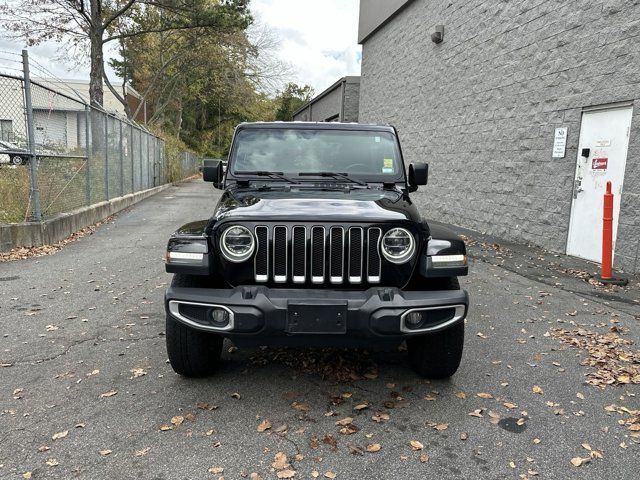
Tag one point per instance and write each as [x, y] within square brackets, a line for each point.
[58, 110]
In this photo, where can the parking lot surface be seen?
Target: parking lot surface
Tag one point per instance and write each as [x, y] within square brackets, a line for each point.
[548, 386]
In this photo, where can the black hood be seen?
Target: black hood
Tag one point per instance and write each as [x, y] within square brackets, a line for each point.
[322, 205]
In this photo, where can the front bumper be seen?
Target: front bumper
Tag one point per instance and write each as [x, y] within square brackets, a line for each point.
[265, 316]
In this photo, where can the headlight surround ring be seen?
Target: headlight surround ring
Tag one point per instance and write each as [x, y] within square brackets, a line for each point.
[398, 245]
[240, 251]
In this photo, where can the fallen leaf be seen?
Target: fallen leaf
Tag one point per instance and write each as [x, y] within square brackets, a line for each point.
[164, 428]
[177, 420]
[264, 425]
[288, 473]
[104, 453]
[579, 461]
[424, 458]
[235, 395]
[441, 426]
[373, 447]
[59, 435]
[141, 453]
[26, 475]
[52, 462]
[280, 461]
[416, 445]
[330, 475]
[537, 389]
[464, 436]
[461, 395]
[110, 393]
[345, 421]
[215, 470]
[361, 406]
[138, 372]
[301, 407]
[484, 395]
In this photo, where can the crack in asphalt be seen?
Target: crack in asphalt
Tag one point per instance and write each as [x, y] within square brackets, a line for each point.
[41, 361]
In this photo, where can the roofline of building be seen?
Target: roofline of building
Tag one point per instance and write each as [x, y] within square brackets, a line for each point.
[324, 93]
[382, 24]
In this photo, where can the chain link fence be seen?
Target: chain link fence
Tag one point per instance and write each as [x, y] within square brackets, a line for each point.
[57, 153]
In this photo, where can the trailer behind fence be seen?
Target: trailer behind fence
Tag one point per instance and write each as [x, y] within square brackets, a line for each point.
[58, 154]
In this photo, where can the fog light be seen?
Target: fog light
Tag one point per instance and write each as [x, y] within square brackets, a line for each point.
[413, 319]
[220, 317]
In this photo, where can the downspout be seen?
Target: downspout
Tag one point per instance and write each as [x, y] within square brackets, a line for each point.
[344, 92]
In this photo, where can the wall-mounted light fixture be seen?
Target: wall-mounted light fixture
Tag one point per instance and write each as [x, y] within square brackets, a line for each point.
[438, 35]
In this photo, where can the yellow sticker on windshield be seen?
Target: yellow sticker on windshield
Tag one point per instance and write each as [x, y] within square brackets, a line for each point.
[387, 165]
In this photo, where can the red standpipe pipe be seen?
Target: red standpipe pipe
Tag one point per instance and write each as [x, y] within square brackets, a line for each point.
[607, 234]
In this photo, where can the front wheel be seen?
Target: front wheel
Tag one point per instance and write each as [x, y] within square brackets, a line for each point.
[16, 160]
[192, 353]
[438, 355]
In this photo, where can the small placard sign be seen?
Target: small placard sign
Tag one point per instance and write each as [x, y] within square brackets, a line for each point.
[599, 163]
[560, 142]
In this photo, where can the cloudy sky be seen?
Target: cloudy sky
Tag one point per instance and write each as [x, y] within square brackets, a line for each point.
[318, 38]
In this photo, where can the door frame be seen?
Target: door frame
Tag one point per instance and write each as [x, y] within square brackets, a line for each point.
[590, 109]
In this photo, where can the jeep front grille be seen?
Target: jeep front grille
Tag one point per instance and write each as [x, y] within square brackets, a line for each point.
[316, 254]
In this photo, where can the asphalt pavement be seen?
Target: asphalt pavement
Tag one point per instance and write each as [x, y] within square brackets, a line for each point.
[86, 390]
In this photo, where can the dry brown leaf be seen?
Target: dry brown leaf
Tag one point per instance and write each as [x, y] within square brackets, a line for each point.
[373, 447]
[537, 389]
[264, 425]
[345, 421]
[301, 407]
[104, 453]
[484, 395]
[330, 475]
[177, 420]
[280, 461]
[215, 470]
[288, 473]
[424, 458]
[59, 435]
[141, 453]
[476, 413]
[441, 426]
[164, 427]
[361, 406]
[461, 395]
[52, 462]
[579, 461]
[416, 445]
[108, 394]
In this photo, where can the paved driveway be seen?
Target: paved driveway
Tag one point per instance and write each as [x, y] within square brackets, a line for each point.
[83, 361]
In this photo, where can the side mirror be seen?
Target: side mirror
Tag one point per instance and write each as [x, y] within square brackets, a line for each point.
[212, 172]
[418, 175]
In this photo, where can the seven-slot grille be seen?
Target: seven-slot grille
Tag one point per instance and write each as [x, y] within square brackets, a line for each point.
[317, 254]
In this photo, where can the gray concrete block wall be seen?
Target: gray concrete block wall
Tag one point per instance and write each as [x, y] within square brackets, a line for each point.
[482, 107]
[351, 108]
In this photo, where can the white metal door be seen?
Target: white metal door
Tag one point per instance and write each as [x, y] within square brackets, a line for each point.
[602, 155]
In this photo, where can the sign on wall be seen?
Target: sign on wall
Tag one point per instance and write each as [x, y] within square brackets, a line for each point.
[560, 142]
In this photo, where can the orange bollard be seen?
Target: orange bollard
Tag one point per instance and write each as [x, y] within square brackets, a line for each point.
[606, 275]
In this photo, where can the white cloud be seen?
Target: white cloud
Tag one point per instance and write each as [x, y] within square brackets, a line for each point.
[318, 37]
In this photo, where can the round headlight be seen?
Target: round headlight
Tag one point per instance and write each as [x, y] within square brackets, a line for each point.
[398, 245]
[237, 244]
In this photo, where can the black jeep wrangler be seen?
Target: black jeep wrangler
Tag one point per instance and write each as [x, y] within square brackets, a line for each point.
[315, 242]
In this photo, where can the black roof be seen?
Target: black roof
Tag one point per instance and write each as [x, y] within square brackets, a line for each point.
[319, 126]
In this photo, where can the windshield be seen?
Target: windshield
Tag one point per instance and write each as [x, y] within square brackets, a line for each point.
[360, 154]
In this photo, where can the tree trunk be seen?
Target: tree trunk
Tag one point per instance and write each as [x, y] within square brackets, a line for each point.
[96, 32]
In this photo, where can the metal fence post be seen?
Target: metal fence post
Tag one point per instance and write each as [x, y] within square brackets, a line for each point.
[141, 174]
[87, 140]
[31, 132]
[131, 138]
[106, 156]
[121, 161]
[148, 163]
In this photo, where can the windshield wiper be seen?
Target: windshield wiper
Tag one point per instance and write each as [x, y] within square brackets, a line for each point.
[344, 176]
[266, 173]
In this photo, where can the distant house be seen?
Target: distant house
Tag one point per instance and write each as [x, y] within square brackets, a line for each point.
[338, 103]
[58, 110]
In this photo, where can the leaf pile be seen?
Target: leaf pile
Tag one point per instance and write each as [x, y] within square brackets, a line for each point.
[22, 253]
[331, 364]
[613, 364]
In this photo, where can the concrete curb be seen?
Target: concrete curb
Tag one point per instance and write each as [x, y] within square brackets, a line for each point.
[53, 230]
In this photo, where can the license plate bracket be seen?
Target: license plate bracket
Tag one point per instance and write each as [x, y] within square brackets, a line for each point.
[317, 318]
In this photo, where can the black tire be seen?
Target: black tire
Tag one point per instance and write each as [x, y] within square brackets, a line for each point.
[438, 355]
[192, 353]
[16, 160]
